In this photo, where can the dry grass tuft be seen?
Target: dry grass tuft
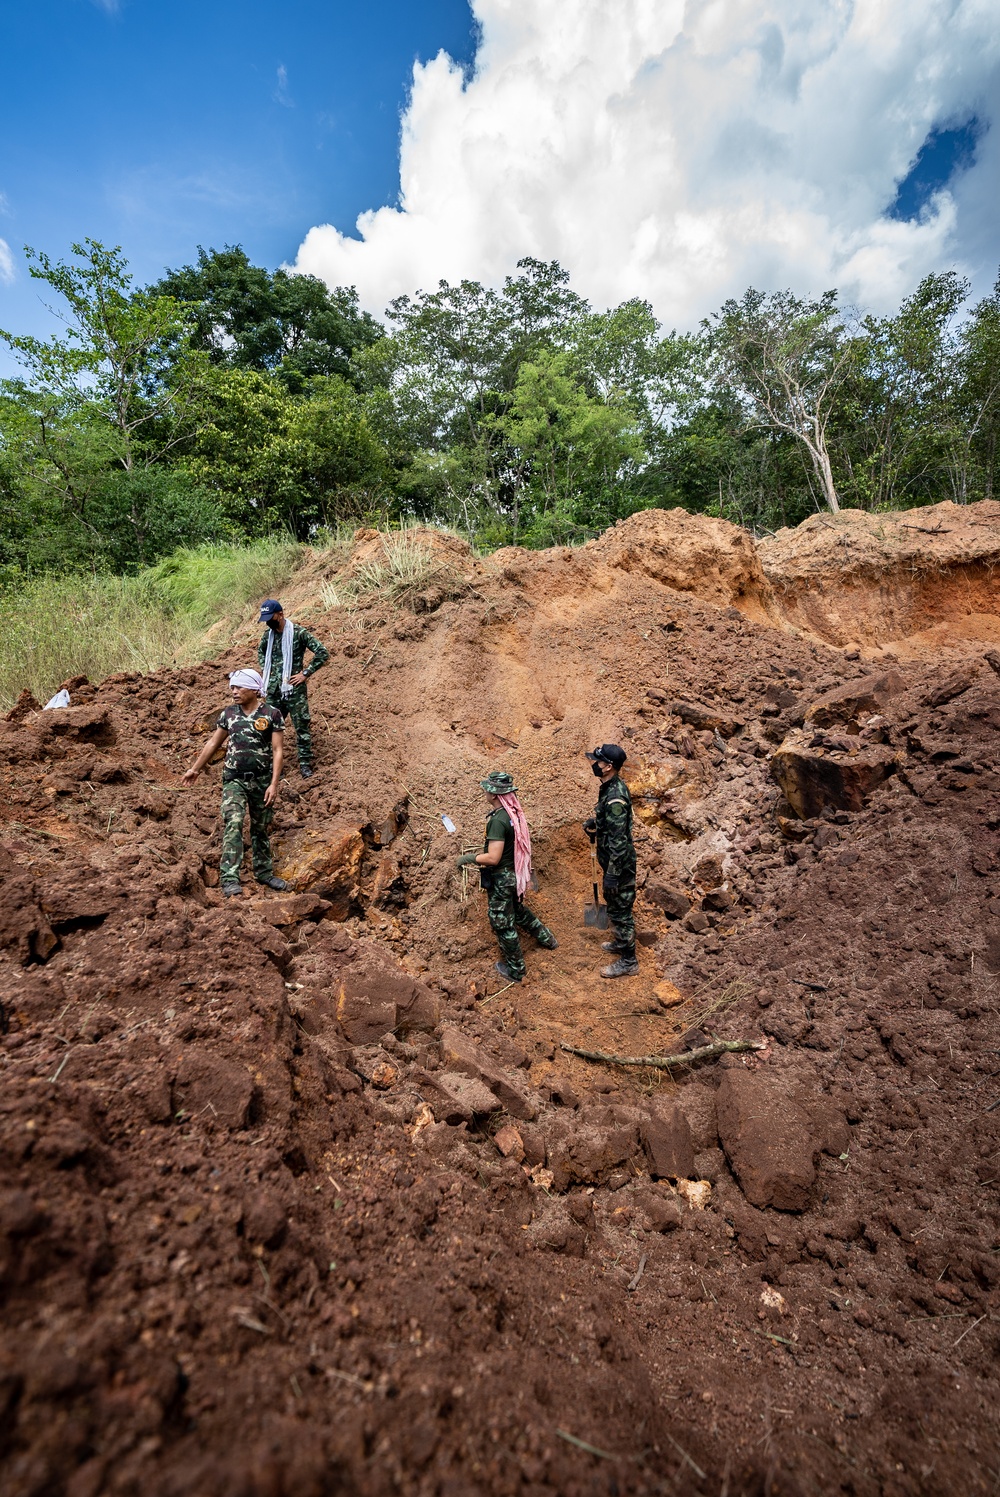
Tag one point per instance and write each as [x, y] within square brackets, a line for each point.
[409, 567]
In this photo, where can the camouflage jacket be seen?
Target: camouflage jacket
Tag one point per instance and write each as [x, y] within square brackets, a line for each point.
[615, 848]
[302, 640]
[248, 743]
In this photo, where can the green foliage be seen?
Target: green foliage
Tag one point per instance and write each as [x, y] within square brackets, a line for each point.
[278, 461]
[231, 402]
[200, 584]
[109, 369]
[568, 451]
[980, 364]
[245, 317]
[56, 626]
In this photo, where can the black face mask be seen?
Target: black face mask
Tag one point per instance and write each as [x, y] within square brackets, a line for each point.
[597, 769]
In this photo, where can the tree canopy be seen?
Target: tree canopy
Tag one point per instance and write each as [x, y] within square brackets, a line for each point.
[229, 400]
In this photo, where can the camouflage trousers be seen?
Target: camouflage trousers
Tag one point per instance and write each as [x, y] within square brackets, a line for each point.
[507, 915]
[239, 797]
[296, 707]
[620, 910]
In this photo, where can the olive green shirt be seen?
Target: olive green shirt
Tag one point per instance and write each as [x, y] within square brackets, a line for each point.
[500, 827]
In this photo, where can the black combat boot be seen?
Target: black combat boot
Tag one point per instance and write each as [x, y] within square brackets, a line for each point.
[506, 973]
[625, 966]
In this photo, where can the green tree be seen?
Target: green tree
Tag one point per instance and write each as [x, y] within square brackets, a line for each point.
[898, 429]
[110, 367]
[785, 359]
[278, 461]
[568, 450]
[278, 322]
[103, 404]
[979, 392]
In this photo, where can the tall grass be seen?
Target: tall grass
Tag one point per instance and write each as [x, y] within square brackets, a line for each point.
[60, 625]
[54, 627]
[199, 584]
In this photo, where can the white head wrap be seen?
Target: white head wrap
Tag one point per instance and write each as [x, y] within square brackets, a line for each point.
[249, 680]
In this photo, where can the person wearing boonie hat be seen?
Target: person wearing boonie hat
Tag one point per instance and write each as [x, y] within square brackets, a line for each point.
[611, 823]
[252, 732]
[281, 656]
[505, 873]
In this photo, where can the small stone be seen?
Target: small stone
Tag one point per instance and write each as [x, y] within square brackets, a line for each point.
[772, 1300]
[509, 1142]
[697, 1193]
[672, 901]
[697, 922]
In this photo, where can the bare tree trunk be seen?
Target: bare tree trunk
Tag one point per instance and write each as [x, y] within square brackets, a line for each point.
[824, 472]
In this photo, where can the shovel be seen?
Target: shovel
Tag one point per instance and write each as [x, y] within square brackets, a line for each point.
[595, 914]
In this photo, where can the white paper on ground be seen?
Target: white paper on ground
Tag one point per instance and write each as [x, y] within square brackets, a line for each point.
[449, 825]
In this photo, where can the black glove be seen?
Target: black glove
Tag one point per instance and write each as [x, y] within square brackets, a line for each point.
[590, 827]
[467, 859]
[610, 884]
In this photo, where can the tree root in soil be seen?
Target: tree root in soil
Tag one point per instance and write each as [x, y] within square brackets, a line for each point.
[664, 1062]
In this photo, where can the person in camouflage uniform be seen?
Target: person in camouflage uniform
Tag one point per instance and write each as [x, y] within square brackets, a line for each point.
[611, 824]
[498, 875]
[252, 732]
[289, 694]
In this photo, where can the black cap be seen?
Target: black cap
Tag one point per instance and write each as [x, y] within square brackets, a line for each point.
[611, 753]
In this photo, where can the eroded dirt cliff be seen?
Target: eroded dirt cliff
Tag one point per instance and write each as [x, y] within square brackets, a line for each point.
[299, 1198]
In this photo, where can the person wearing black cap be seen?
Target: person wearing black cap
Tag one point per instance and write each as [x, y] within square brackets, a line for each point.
[281, 656]
[612, 825]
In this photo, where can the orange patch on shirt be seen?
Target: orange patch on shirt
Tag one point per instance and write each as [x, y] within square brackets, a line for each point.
[261, 723]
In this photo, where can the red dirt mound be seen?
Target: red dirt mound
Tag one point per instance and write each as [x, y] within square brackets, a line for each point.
[299, 1198]
[920, 581]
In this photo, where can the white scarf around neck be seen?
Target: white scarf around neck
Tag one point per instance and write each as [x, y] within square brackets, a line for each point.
[287, 634]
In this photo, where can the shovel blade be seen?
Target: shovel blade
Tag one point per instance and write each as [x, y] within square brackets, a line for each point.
[596, 915]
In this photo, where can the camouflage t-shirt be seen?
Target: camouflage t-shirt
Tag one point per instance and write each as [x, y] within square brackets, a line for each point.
[615, 848]
[302, 640]
[248, 746]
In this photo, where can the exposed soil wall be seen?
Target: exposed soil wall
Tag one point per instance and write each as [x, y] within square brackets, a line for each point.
[919, 581]
[299, 1198]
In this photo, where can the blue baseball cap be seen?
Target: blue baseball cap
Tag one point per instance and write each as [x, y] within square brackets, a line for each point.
[268, 609]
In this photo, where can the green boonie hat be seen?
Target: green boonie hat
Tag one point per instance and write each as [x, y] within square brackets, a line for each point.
[499, 782]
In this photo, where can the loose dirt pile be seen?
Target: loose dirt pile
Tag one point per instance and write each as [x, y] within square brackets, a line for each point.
[299, 1199]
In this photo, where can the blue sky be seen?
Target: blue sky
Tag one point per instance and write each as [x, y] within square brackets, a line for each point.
[163, 124]
[676, 152]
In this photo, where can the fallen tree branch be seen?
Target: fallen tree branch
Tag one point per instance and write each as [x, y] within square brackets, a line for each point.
[664, 1062]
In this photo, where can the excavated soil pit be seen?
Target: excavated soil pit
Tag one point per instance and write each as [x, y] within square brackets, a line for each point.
[298, 1199]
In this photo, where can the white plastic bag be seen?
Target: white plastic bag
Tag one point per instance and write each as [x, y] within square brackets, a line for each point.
[61, 699]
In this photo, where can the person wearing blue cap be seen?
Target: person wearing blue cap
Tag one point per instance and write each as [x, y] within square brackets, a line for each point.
[281, 657]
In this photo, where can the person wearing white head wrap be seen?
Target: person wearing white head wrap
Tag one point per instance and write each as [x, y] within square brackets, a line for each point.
[252, 733]
[249, 681]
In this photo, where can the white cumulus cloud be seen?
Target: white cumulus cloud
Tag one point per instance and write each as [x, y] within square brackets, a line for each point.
[682, 150]
[6, 263]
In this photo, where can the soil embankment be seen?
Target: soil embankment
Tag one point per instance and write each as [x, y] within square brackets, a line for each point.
[920, 582]
[298, 1198]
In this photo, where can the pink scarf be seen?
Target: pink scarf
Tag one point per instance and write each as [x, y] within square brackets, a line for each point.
[522, 842]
